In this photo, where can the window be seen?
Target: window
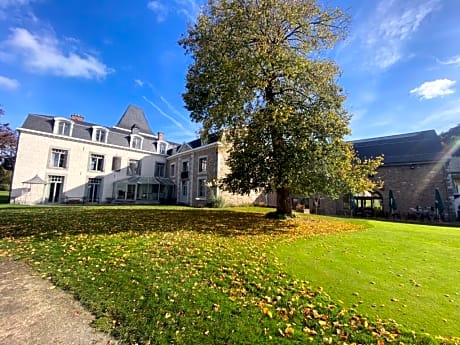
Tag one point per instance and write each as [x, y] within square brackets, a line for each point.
[184, 172]
[58, 158]
[96, 162]
[185, 166]
[136, 142]
[100, 135]
[172, 168]
[202, 164]
[159, 169]
[202, 188]
[134, 167]
[163, 148]
[54, 186]
[93, 190]
[64, 128]
[116, 163]
[184, 189]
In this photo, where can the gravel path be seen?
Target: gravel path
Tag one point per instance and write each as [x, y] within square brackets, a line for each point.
[32, 311]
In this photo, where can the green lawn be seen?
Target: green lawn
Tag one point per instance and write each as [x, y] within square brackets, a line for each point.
[195, 276]
[410, 273]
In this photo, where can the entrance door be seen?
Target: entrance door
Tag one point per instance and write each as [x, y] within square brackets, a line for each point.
[94, 190]
[131, 192]
[184, 192]
[55, 188]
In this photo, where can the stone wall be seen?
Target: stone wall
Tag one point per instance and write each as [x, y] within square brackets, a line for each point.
[413, 185]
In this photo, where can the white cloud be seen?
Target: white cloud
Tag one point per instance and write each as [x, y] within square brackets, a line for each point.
[8, 83]
[160, 10]
[394, 23]
[187, 8]
[139, 82]
[11, 3]
[455, 60]
[433, 89]
[45, 54]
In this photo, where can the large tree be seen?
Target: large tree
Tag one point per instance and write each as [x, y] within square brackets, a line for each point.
[260, 75]
[8, 144]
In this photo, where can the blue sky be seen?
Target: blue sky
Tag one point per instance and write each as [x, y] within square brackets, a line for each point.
[400, 63]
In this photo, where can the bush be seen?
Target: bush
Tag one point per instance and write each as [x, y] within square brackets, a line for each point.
[216, 202]
[4, 187]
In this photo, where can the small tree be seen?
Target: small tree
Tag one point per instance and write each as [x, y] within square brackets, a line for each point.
[259, 75]
[8, 145]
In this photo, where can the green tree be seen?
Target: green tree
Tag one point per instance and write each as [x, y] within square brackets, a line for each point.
[8, 144]
[260, 75]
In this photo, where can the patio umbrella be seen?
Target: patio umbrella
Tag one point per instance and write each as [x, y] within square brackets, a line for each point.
[392, 201]
[438, 205]
[352, 202]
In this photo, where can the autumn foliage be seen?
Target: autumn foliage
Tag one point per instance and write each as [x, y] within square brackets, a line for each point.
[189, 276]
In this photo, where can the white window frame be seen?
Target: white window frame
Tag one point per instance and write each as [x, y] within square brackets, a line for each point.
[58, 121]
[98, 158]
[95, 134]
[162, 148]
[172, 170]
[133, 139]
[61, 152]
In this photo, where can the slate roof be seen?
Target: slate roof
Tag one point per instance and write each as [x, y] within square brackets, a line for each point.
[213, 138]
[83, 130]
[417, 147]
[134, 116]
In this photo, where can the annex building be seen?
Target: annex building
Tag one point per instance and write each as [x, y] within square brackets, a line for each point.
[69, 160]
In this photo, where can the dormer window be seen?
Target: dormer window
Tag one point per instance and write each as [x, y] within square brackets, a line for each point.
[163, 148]
[136, 141]
[63, 126]
[99, 134]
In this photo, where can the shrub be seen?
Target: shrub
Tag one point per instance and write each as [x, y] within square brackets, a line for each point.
[216, 201]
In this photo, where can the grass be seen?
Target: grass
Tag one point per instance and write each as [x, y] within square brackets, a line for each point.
[178, 275]
[407, 272]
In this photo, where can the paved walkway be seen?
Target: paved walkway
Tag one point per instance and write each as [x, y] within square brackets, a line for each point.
[32, 311]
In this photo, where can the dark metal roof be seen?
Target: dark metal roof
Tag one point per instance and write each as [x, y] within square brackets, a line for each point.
[134, 116]
[417, 147]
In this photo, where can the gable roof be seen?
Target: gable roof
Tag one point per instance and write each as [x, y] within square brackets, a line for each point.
[134, 116]
[191, 145]
[416, 147]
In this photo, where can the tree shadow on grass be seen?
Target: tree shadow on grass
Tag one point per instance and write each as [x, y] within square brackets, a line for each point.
[52, 222]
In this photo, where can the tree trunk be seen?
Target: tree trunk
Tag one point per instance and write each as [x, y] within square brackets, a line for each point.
[283, 201]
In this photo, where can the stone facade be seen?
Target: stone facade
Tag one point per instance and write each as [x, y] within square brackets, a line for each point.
[413, 185]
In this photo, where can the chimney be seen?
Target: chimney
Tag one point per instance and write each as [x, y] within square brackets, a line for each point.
[161, 136]
[77, 117]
